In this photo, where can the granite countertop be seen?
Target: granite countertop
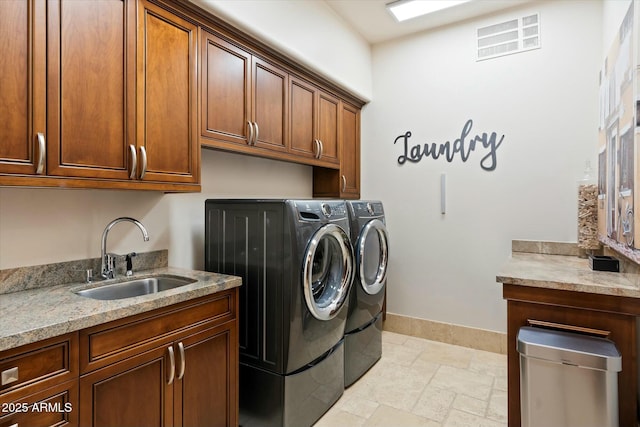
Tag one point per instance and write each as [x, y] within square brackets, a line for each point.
[569, 273]
[36, 314]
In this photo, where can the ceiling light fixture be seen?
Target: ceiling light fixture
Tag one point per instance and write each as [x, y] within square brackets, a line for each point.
[408, 9]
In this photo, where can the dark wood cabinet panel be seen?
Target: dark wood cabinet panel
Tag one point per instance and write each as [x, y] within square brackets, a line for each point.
[314, 123]
[207, 392]
[167, 47]
[343, 183]
[128, 393]
[350, 157]
[22, 98]
[303, 103]
[328, 127]
[90, 66]
[226, 84]
[270, 105]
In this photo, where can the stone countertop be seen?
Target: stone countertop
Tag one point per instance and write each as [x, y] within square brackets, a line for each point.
[36, 314]
[568, 273]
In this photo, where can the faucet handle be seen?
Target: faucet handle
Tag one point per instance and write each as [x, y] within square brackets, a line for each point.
[109, 265]
[129, 258]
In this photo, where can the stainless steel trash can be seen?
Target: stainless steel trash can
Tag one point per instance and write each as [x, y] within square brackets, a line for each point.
[567, 379]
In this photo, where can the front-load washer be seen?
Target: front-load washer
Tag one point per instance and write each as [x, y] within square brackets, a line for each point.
[363, 331]
[296, 263]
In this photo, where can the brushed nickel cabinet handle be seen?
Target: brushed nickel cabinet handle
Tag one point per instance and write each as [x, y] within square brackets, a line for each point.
[321, 148]
[134, 162]
[143, 156]
[251, 133]
[316, 148]
[344, 183]
[9, 376]
[182, 360]
[172, 368]
[42, 151]
[255, 138]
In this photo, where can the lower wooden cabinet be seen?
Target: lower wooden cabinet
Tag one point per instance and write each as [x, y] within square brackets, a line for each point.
[190, 382]
[205, 394]
[129, 393]
[175, 366]
[614, 314]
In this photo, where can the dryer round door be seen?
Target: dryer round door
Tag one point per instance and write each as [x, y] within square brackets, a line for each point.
[327, 272]
[372, 256]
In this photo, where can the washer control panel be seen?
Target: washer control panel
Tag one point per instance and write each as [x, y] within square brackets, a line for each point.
[313, 209]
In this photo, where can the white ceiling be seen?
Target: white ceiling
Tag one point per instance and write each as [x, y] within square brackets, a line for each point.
[372, 20]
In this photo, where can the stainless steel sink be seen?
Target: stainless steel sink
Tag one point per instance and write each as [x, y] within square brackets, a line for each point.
[135, 287]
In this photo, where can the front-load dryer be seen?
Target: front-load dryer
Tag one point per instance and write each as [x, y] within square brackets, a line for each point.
[363, 331]
[295, 260]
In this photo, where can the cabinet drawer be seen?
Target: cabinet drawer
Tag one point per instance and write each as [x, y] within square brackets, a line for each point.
[55, 406]
[105, 344]
[38, 365]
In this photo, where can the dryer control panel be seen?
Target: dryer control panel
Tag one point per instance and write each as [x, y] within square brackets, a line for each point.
[367, 209]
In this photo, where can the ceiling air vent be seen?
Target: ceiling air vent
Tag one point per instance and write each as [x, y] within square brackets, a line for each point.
[505, 38]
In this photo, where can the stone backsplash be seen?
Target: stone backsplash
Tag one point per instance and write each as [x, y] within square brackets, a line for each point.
[39, 276]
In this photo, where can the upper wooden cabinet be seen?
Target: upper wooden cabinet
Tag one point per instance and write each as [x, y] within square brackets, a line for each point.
[106, 95]
[23, 97]
[97, 96]
[244, 99]
[343, 183]
[167, 94]
[90, 77]
[350, 157]
[314, 122]
[225, 89]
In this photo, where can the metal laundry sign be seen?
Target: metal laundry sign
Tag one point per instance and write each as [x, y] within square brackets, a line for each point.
[462, 146]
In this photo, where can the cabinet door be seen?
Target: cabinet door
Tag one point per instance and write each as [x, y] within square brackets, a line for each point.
[303, 113]
[328, 127]
[226, 84]
[350, 158]
[343, 183]
[133, 392]
[270, 105]
[89, 88]
[22, 98]
[166, 91]
[207, 394]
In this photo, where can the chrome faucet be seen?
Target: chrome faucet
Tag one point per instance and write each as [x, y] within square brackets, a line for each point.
[109, 259]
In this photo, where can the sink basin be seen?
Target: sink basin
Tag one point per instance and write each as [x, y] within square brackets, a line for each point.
[135, 287]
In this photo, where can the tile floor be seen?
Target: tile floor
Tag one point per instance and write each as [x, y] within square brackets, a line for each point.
[422, 383]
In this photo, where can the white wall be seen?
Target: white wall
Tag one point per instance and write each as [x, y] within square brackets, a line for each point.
[443, 267]
[310, 31]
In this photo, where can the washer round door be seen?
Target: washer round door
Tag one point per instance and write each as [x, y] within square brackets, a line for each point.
[372, 256]
[327, 272]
